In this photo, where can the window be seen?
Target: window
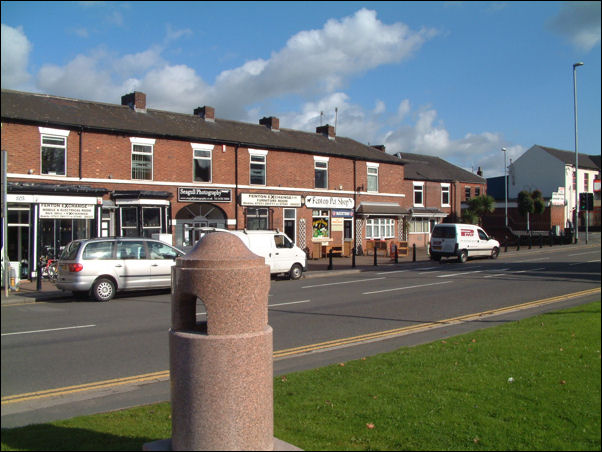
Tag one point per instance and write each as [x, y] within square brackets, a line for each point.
[380, 228]
[466, 193]
[477, 191]
[131, 250]
[201, 162]
[257, 167]
[586, 182]
[54, 153]
[257, 218]
[419, 194]
[574, 180]
[142, 162]
[161, 251]
[445, 195]
[129, 222]
[98, 250]
[320, 172]
[372, 177]
[419, 225]
[320, 224]
[151, 221]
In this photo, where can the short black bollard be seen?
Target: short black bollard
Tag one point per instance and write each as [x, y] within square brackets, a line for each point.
[541, 241]
[39, 278]
[396, 256]
[518, 244]
[353, 257]
[551, 240]
[330, 259]
[506, 247]
[375, 253]
[530, 242]
[414, 252]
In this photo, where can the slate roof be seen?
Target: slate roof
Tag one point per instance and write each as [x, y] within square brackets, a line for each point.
[586, 161]
[60, 112]
[431, 168]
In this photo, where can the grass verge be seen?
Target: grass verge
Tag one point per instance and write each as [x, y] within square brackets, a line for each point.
[528, 385]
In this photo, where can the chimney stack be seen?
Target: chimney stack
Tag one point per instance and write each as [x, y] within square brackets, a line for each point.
[480, 172]
[327, 131]
[271, 123]
[206, 112]
[380, 147]
[136, 101]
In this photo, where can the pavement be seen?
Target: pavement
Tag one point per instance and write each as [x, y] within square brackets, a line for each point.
[28, 292]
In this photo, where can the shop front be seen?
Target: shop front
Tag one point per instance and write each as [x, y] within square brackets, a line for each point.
[380, 228]
[332, 225]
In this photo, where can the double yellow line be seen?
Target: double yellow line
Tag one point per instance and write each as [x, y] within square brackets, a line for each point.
[379, 335]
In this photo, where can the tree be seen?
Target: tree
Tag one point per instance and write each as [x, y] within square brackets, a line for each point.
[530, 202]
[478, 207]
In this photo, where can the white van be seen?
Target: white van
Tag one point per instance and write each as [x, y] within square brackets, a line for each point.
[279, 252]
[462, 241]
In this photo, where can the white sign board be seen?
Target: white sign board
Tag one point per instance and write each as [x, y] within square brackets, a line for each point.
[67, 211]
[326, 202]
[267, 199]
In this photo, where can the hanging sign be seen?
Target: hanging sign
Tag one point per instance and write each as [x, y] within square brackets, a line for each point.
[198, 194]
[327, 202]
[67, 211]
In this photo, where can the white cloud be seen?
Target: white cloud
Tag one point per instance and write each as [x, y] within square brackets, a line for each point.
[580, 23]
[15, 58]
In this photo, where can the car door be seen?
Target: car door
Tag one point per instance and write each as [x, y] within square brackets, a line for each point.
[484, 243]
[283, 255]
[133, 268]
[162, 257]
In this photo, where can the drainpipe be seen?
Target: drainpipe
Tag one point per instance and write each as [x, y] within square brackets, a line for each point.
[80, 133]
[236, 183]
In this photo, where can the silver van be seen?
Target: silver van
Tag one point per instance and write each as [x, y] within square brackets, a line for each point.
[100, 267]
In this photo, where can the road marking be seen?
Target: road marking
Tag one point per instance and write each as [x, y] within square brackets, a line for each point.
[458, 274]
[538, 259]
[49, 330]
[342, 282]
[581, 254]
[404, 288]
[279, 354]
[290, 302]
[392, 271]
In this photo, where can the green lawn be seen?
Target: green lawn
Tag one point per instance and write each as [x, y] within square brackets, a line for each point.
[527, 385]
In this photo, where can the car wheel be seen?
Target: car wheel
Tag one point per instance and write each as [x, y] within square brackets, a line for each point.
[463, 256]
[296, 272]
[103, 289]
[495, 252]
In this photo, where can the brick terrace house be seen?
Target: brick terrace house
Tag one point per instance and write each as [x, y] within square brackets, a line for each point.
[436, 190]
[79, 169]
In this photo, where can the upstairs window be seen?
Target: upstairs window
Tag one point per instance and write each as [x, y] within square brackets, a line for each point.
[53, 151]
[202, 163]
[320, 172]
[445, 195]
[477, 191]
[372, 174]
[466, 193]
[586, 182]
[257, 171]
[142, 158]
[419, 195]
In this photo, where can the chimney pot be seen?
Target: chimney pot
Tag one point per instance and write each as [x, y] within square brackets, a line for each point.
[326, 130]
[271, 123]
[136, 101]
[206, 112]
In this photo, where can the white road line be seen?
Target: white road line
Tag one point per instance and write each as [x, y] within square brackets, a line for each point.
[291, 302]
[458, 274]
[407, 287]
[342, 282]
[49, 330]
[581, 254]
[425, 268]
[393, 271]
[538, 259]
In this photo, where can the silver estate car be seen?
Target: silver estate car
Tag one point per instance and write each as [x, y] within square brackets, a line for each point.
[100, 267]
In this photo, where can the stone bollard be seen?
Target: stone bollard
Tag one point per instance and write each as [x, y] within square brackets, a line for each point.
[221, 370]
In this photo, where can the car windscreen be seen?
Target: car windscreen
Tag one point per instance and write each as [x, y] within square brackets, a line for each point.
[70, 251]
[444, 232]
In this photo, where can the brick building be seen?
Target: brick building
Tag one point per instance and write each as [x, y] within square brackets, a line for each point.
[84, 169]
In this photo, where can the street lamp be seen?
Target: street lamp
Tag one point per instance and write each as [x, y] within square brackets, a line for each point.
[576, 153]
[505, 190]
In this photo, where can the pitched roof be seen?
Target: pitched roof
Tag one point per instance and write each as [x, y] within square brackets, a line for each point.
[586, 161]
[431, 168]
[53, 111]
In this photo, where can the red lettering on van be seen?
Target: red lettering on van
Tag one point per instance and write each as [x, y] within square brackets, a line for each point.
[466, 232]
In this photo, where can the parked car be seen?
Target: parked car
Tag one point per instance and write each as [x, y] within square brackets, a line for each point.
[279, 252]
[102, 266]
[463, 241]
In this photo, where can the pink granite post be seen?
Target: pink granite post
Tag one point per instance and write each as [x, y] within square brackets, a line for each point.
[221, 370]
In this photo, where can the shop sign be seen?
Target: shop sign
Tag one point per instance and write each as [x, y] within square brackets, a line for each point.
[327, 202]
[341, 213]
[198, 194]
[269, 200]
[557, 199]
[337, 224]
[67, 211]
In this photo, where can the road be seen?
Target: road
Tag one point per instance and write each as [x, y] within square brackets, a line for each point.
[67, 357]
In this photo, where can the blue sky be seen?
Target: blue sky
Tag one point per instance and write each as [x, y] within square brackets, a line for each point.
[459, 80]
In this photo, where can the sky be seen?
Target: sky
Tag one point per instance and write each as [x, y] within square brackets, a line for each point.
[458, 80]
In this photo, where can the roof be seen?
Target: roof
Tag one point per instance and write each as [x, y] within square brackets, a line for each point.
[53, 111]
[431, 168]
[586, 161]
[381, 209]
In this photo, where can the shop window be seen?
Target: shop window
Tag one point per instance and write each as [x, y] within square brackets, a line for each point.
[142, 162]
[372, 177]
[202, 165]
[445, 195]
[257, 218]
[151, 221]
[419, 194]
[53, 155]
[419, 225]
[320, 173]
[129, 222]
[380, 228]
[320, 224]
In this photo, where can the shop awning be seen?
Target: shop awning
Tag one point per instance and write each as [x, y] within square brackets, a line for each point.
[427, 212]
[381, 209]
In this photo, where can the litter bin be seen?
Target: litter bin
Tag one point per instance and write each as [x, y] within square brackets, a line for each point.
[14, 275]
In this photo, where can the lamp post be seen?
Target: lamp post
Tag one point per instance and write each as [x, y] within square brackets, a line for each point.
[576, 153]
[505, 190]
